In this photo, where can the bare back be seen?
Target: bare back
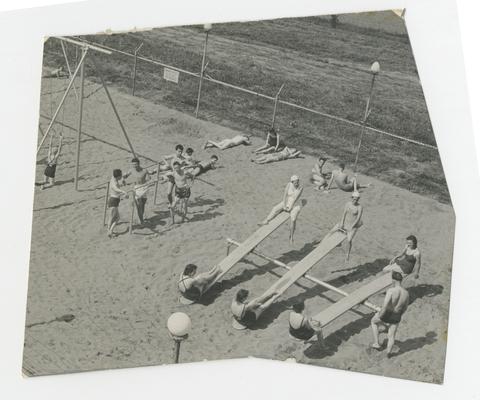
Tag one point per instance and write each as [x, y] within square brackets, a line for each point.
[398, 299]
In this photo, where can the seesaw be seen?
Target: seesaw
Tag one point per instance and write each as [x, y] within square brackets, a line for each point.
[243, 249]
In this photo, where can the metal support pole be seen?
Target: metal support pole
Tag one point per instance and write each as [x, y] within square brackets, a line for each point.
[275, 105]
[308, 277]
[52, 121]
[80, 116]
[156, 185]
[106, 204]
[115, 110]
[64, 50]
[177, 350]
[364, 122]
[201, 74]
[134, 78]
[132, 215]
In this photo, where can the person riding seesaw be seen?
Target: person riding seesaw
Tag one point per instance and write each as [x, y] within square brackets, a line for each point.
[244, 312]
[343, 181]
[228, 143]
[286, 154]
[192, 285]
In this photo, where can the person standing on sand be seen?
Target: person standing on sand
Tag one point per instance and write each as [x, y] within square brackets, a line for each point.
[409, 261]
[318, 178]
[351, 221]
[114, 195]
[273, 143]
[52, 160]
[178, 179]
[343, 181]
[394, 306]
[292, 193]
[227, 143]
[177, 156]
[140, 176]
[191, 286]
[189, 160]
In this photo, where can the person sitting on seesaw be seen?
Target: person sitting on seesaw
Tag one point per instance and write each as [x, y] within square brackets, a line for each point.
[244, 312]
[299, 325]
[192, 285]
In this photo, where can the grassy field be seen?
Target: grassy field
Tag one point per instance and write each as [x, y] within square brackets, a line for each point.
[322, 68]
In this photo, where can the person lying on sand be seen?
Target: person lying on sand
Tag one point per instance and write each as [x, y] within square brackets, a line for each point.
[299, 325]
[394, 306]
[285, 154]
[351, 221]
[244, 312]
[140, 177]
[409, 261]
[292, 193]
[114, 195]
[55, 73]
[204, 166]
[178, 181]
[273, 143]
[343, 181]
[191, 286]
[318, 177]
[52, 159]
[228, 143]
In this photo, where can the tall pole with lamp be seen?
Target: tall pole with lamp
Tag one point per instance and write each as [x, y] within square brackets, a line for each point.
[178, 325]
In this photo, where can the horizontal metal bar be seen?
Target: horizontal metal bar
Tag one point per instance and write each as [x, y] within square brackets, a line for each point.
[83, 44]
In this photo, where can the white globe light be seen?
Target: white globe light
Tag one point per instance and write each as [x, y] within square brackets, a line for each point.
[179, 324]
[207, 27]
[375, 68]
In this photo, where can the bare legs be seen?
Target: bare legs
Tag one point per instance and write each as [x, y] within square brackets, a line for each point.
[392, 330]
[113, 219]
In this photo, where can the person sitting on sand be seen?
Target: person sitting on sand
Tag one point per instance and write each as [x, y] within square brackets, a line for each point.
[177, 156]
[273, 143]
[292, 193]
[228, 143]
[351, 221]
[285, 154]
[409, 261]
[140, 177]
[114, 195]
[394, 306]
[343, 181]
[318, 177]
[52, 160]
[178, 180]
[191, 286]
[299, 325]
[244, 312]
[204, 166]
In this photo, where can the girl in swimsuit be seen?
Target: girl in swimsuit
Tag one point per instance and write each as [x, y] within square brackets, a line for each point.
[52, 159]
[191, 286]
[272, 144]
[244, 312]
[409, 261]
[351, 221]
[299, 327]
[318, 178]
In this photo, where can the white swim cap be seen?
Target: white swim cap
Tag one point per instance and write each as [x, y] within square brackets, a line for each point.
[294, 178]
[356, 194]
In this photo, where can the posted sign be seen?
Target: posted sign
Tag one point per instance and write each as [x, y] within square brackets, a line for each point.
[170, 75]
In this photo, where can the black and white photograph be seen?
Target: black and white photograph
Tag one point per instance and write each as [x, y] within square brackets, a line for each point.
[266, 188]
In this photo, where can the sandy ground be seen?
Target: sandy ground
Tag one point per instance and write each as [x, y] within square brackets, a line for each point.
[122, 291]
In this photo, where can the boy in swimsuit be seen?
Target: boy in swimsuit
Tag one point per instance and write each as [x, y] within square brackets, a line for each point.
[114, 195]
[177, 156]
[140, 177]
[189, 160]
[244, 312]
[299, 325]
[191, 285]
[292, 193]
[285, 154]
[409, 261]
[52, 159]
[394, 306]
[204, 166]
[178, 178]
[343, 181]
[227, 143]
[272, 143]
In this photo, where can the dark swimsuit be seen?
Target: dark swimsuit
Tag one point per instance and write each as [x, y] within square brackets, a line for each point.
[182, 193]
[113, 201]
[391, 317]
[272, 142]
[303, 333]
[50, 170]
[406, 263]
[246, 318]
[192, 293]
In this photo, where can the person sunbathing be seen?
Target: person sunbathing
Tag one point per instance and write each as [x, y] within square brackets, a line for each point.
[244, 312]
[343, 181]
[394, 306]
[204, 166]
[409, 261]
[292, 193]
[228, 143]
[285, 154]
[192, 285]
[318, 177]
[52, 160]
[273, 143]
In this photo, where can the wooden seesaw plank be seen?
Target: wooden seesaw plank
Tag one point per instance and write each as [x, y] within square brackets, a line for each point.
[356, 297]
[248, 245]
[302, 267]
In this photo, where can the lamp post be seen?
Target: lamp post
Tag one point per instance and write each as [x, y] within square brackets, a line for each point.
[178, 324]
[374, 70]
[207, 28]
